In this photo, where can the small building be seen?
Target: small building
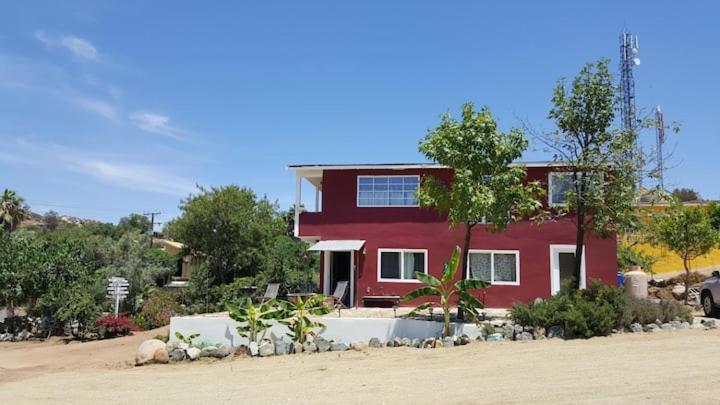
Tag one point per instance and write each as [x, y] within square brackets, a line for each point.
[371, 231]
[185, 264]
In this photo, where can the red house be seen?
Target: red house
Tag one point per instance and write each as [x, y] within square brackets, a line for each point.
[371, 232]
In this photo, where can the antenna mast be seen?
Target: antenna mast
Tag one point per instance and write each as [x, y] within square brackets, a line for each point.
[660, 121]
[628, 60]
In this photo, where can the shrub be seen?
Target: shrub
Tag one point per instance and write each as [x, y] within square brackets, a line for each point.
[157, 310]
[109, 326]
[645, 312]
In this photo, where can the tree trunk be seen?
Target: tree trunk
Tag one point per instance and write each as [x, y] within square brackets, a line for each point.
[464, 272]
[687, 279]
[10, 316]
[579, 244]
[446, 319]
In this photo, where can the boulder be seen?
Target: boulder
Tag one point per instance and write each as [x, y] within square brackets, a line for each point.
[23, 335]
[675, 324]
[281, 347]
[147, 351]
[359, 346]
[651, 327]
[193, 353]
[253, 348]
[266, 349]
[538, 333]
[636, 328]
[697, 326]
[416, 343]
[177, 355]
[217, 352]
[678, 291]
[296, 348]
[176, 344]
[684, 325]
[310, 347]
[556, 331]
[322, 344]
[448, 341]
[242, 350]
[463, 340]
[390, 343]
[495, 337]
[407, 342]
[338, 347]
[709, 323]
[508, 332]
[524, 336]
[397, 342]
[375, 343]
[518, 329]
[428, 343]
[666, 327]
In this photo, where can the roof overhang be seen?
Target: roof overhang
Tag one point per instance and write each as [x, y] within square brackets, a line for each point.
[338, 245]
[399, 166]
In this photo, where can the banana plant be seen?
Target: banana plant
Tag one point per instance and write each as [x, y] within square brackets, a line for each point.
[446, 288]
[255, 319]
[297, 316]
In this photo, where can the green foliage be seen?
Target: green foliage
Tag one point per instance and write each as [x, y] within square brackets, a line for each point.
[645, 312]
[686, 195]
[296, 316]
[229, 229]
[627, 256]
[187, 339]
[12, 210]
[133, 223]
[290, 264]
[255, 319]
[713, 210]
[604, 163]
[446, 288]
[157, 310]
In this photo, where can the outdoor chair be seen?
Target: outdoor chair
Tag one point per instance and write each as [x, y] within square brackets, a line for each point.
[339, 294]
[271, 292]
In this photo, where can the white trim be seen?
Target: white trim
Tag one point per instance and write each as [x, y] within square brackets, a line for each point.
[555, 269]
[326, 272]
[550, 194]
[357, 193]
[404, 166]
[298, 203]
[492, 265]
[402, 259]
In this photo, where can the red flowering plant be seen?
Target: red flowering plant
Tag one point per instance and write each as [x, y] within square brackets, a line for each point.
[110, 326]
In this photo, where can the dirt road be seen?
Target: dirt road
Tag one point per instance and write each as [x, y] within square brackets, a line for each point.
[666, 367]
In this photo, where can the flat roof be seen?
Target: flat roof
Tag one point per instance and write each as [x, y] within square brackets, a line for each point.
[396, 166]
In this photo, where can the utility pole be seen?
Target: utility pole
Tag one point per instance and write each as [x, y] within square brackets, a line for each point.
[151, 229]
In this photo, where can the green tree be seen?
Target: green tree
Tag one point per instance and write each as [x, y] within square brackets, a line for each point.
[686, 194]
[486, 186]
[688, 233]
[714, 214]
[16, 261]
[603, 163]
[229, 229]
[12, 210]
[134, 222]
[290, 264]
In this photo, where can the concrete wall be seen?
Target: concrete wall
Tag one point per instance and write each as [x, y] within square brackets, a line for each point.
[348, 330]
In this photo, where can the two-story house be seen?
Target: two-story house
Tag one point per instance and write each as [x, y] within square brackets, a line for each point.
[370, 231]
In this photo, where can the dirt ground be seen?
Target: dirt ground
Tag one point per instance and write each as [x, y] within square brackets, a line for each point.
[666, 367]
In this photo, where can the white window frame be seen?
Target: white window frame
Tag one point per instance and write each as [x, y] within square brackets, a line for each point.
[402, 262]
[357, 194]
[492, 265]
[550, 193]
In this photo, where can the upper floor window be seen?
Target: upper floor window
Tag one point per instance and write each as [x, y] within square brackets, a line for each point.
[559, 184]
[387, 191]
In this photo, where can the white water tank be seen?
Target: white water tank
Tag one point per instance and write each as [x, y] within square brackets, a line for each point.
[636, 282]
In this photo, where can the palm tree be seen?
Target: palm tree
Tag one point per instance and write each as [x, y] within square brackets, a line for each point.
[12, 210]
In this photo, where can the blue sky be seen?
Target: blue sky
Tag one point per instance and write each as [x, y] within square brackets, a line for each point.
[108, 108]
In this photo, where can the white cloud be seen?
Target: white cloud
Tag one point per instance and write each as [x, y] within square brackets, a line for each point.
[157, 124]
[96, 106]
[109, 170]
[79, 47]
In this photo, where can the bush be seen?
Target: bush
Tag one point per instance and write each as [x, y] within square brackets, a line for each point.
[109, 326]
[157, 310]
[645, 312]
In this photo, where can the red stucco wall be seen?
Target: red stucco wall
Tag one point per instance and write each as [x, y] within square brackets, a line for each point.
[418, 228]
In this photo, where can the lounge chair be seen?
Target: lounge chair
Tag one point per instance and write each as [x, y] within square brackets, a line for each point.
[339, 294]
[271, 292]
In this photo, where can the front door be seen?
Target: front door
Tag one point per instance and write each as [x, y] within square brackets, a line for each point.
[562, 264]
[340, 263]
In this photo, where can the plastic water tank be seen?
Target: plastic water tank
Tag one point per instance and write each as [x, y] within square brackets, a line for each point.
[636, 282]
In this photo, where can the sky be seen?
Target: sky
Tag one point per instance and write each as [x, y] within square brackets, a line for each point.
[114, 107]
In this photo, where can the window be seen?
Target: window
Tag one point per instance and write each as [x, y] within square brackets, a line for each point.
[387, 191]
[401, 264]
[495, 267]
[559, 183]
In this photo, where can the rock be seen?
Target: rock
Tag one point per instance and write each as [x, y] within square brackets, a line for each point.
[407, 342]
[242, 350]
[176, 344]
[651, 327]
[217, 352]
[146, 353]
[6, 337]
[428, 343]
[684, 325]
[177, 355]
[678, 291]
[296, 348]
[636, 328]
[524, 336]
[538, 300]
[538, 333]
[666, 327]
[518, 329]
[556, 331]
[508, 332]
[448, 341]
[266, 349]
[375, 343]
[161, 356]
[416, 343]
[463, 340]
[389, 343]
[281, 347]
[397, 342]
[709, 323]
[253, 348]
[23, 335]
[193, 353]
[322, 344]
[310, 347]
[207, 350]
[697, 326]
[359, 346]
[495, 337]
[675, 324]
[338, 347]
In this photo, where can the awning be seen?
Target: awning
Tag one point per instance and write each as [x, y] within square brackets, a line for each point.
[338, 245]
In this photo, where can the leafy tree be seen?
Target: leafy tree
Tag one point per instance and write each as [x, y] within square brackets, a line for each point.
[12, 210]
[603, 163]
[485, 186]
[686, 194]
[51, 219]
[290, 264]
[134, 222]
[688, 233]
[714, 214]
[446, 289]
[229, 229]
[16, 260]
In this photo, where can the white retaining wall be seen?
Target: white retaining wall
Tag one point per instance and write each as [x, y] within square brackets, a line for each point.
[218, 330]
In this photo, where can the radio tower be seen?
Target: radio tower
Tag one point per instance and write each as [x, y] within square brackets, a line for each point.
[628, 60]
[660, 122]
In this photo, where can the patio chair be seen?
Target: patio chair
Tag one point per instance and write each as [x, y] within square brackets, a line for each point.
[339, 294]
[271, 292]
